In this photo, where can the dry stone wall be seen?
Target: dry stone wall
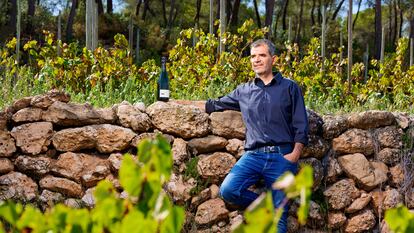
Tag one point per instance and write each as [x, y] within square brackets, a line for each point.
[52, 150]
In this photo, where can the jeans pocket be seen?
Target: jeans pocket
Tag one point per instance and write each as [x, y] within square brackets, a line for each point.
[287, 160]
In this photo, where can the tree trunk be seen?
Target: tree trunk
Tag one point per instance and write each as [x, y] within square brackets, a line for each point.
[401, 18]
[30, 14]
[164, 12]
[279, 5]
[235, 13]
[170, 18]
[146, 7]
[256, 9]
[197, 16]
[100, 7]
[378, 29]
[356, 17]
[395, 32]
[10, 27]
[299, 26]
[69, 25]
[337, 10]
[285, 8]
[312, 16]
[137, 8]
[229, 9]
[270, 5]
[390, 21]
[109, 6]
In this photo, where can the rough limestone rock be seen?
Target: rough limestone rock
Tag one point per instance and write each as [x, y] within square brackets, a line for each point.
[228, 124]
[371, 119]
[71, 114]
[315, 217]
[235, 147]
[180, 120]
[200, 198]
[33, 138]
[178, 189]
[389, 136]
[48, 199]
[318, 172]
[151, 136]
[6, 166]
[403, 120]
[33, 165]
[341, 194]
[211, 211]
[384, 200]
[75, 139]
[115, 160]
[92, 177]
[28, 115]
[215, 190]
[207, 144]
[44, 101]
[20, 104]
[389, 156]
[180, 151]
[396, 176]
[216, 166]
[88, 199]
[62, 185]
[392, 198]
[359, 204]
[108, 115]
[292, 224]
[112, 138]
[333, 126]
[7, 144]
[17, 186]
[409, 199]
[315, 123]
[354, 141]
[334, 170]
[336, 219]
[362, 171]
[361, 222]
[74, 166]
[316, 148]
[130, 116]
[3, 120]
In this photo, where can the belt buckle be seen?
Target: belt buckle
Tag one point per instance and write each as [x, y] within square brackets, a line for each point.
[271, 149]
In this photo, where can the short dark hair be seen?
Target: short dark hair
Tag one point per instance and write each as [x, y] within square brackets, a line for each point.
[270, 45]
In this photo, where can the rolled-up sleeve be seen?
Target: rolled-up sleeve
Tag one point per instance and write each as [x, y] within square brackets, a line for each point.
[299, 116]
[228, 102]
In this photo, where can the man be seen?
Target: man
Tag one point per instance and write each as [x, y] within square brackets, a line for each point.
[274, 113]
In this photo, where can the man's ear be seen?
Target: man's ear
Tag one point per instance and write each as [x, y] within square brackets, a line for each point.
[274, 59]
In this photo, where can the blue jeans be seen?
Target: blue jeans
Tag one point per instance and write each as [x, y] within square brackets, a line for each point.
[251, 167]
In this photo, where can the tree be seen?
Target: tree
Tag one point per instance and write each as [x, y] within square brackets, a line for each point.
[109, 6]
[256, 8]
[30, 16]
[10, 26]
[378, 29]
[71, 18]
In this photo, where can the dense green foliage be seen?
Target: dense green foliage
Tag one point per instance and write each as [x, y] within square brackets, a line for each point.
[400, 219]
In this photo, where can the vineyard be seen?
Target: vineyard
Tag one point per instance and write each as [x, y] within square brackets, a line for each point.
[109, 75]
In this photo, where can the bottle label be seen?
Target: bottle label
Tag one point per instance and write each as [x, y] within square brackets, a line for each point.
[165, 93]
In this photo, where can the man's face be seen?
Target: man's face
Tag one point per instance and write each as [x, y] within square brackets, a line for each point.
[261, 60]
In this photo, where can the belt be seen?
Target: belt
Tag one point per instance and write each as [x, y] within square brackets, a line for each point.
[282, 149]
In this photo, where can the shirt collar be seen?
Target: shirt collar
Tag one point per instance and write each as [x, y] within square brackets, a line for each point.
[277, 78]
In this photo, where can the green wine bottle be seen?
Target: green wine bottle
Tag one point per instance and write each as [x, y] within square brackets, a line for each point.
[163, 87]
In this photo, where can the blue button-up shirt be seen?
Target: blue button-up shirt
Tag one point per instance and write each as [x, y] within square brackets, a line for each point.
[274, 114]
